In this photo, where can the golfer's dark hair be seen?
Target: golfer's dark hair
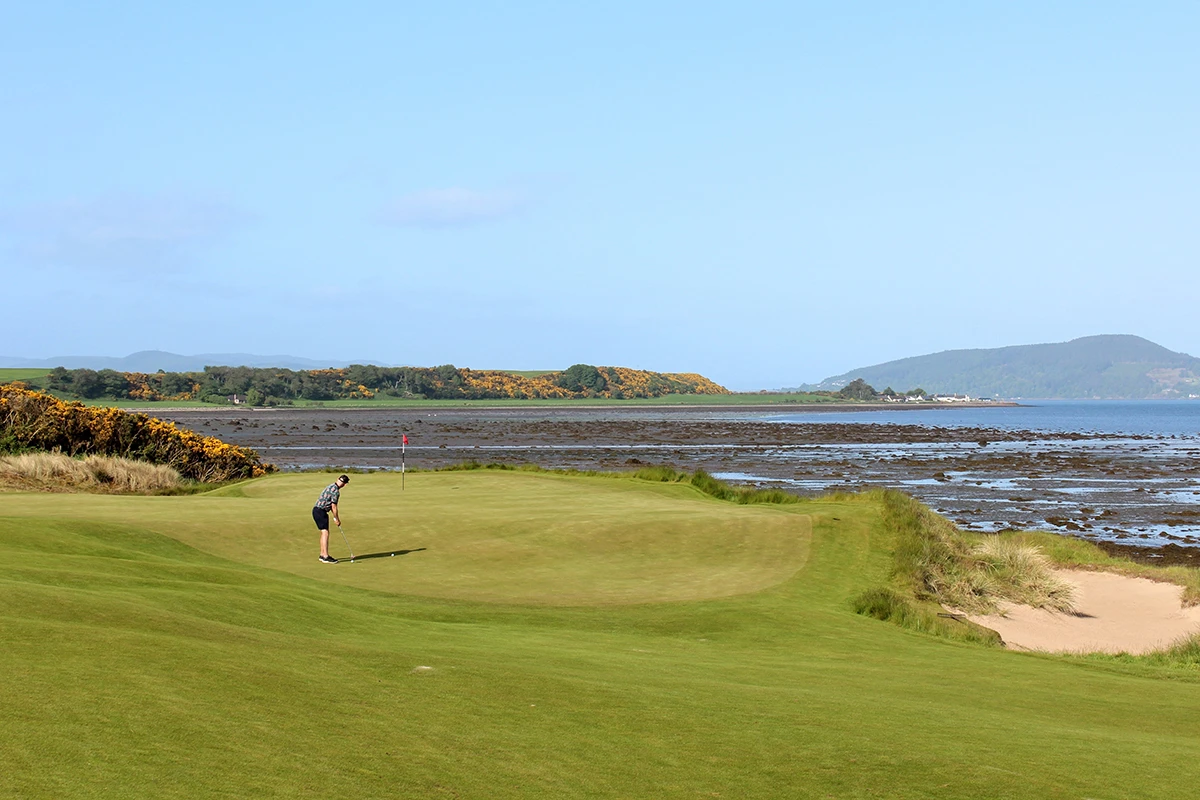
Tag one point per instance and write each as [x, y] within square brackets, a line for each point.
[344, 478]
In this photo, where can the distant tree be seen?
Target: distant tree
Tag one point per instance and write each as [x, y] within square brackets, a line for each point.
[115, 383]
[450, 374]
[918, 392]
[86, 383]
[858, 389]
[60, 379]
[581, 377]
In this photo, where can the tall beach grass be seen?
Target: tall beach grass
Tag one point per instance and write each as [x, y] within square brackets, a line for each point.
[936, 561]
[58, 471]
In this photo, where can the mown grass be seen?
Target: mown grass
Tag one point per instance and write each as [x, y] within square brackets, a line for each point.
[193, 647]
[700, 479]
[10, 374]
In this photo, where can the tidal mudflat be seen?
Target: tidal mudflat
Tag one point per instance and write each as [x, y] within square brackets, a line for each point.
[1140, 490]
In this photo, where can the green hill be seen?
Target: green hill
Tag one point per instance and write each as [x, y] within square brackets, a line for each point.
[535, 636]
[1109, 367]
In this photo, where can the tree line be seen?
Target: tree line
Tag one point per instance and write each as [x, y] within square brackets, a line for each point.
[270, 386]
[858, 389]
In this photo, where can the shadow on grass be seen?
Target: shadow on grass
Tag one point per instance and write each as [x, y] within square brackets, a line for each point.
[388, 554]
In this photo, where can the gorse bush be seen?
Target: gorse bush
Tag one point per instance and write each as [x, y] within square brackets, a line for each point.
[31, 421]
[94, 473]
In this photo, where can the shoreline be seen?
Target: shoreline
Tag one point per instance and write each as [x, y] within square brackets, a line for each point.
[486, 405]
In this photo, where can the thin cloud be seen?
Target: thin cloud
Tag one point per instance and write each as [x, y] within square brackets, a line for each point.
[122, 232]
[455, 207]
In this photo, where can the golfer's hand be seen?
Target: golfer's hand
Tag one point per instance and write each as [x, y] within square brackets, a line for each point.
[337, 522]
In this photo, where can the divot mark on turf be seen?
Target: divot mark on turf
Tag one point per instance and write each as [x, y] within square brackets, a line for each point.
[422, 670]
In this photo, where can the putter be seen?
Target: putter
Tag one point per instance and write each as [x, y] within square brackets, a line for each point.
[347, 541]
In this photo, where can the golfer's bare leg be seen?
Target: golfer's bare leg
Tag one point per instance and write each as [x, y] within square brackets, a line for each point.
[325, 542]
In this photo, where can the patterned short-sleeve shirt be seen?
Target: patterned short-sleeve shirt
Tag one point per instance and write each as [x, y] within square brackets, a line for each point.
[328, 497]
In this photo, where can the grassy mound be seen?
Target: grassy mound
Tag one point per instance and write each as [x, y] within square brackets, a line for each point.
[56, 471]
[935, 561]
[193, 647]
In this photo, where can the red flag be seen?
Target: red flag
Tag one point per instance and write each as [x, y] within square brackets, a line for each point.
[405, 435]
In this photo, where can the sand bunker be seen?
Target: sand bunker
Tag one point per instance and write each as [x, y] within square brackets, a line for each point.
[1115, 614]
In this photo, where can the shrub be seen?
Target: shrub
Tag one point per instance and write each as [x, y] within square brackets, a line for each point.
[35, 421]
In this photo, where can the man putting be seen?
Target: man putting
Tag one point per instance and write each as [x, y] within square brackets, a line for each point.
[327, 503]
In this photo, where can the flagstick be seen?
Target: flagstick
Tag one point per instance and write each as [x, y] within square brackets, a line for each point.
[403, 443]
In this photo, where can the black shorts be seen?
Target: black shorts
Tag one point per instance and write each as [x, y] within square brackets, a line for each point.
[321, 517]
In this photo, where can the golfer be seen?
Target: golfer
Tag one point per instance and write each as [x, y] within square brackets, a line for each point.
[327, 504]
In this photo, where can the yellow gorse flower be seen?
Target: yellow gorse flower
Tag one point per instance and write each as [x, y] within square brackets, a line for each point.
[42, 421]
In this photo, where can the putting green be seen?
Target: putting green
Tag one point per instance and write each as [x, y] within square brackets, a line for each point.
[497, 536]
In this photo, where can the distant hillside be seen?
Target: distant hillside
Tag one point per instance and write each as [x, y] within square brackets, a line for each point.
[154, 360]
[1094, 367]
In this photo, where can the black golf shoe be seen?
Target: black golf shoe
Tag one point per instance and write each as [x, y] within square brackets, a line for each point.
[327, 559]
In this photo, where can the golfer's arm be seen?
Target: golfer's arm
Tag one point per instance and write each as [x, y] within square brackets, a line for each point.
[333, 508]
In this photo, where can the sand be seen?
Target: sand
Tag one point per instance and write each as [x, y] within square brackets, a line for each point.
[1114, 614]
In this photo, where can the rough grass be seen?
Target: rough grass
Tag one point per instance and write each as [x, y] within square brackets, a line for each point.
[885, 603]
[935, 561]
[1020, 572]
[60, 472]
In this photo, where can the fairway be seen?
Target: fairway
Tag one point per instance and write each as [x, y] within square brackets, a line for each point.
[538, 635]
[9, 374]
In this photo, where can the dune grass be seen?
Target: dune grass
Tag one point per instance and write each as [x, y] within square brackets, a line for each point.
[1072, 553]
[60, 472]
[935, 561]
[193, 647]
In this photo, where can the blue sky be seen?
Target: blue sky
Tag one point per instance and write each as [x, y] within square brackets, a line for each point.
[767, 193]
